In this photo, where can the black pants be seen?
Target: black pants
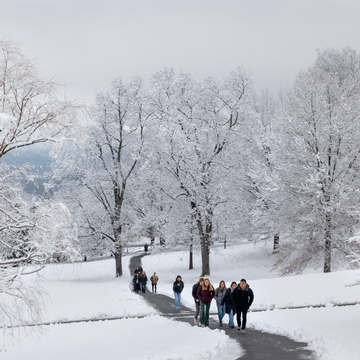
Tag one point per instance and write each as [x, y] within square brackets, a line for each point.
[241, 310]
[153, 287]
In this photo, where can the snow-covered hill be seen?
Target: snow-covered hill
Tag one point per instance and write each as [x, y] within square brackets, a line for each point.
[89, 290]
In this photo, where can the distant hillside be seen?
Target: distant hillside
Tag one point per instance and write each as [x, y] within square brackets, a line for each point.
[38, 159]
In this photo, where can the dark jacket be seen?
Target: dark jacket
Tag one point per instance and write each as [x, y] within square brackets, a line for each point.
[178, 285]
[228, 301]
[136, 282]
[243, 298]
[143, 279]
[194, 289]
[138, 270]
[205, 295]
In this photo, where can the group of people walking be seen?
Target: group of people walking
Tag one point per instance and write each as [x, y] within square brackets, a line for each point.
[235, 300]
[140, 280]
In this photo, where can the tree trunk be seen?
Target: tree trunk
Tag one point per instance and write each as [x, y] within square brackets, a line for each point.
[191, 253]
[191, 261]
[205, 250]
[205, 237]
[208, 237]
[327, 247]
[276, 243]
[205, 257]
[118, 259]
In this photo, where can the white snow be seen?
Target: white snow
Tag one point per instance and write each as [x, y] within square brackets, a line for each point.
[89, 290]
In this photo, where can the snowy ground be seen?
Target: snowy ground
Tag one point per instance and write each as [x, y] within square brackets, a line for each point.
[89, 290]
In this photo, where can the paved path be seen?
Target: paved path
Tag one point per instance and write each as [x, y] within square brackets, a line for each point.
[258, 345]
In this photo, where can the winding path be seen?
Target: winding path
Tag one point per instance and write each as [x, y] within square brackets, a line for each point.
[258, 345]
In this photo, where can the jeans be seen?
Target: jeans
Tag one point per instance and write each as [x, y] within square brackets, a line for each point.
[231, 318]
[204, 313]
[177, 297]
[153, 287]
[143, 288]
[197, 309]
[221, 312]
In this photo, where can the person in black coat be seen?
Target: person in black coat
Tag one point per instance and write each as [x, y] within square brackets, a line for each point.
[243, 298]
[136, 282]
[138, 270]
[228, 303]
[178, 287]
[197, 300]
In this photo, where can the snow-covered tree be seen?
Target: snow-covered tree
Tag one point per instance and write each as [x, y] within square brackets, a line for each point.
[197, 124]
[262, 182]
[30, 109]
[31, 233]
[100, 159]
[317, 161]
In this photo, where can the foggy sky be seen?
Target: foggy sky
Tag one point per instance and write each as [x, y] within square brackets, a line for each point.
[88, 43]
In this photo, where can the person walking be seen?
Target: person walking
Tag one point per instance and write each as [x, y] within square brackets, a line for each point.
[136, 282]
[154, 280]
[143, 281]
[219, 295]
[228, 303]
[138, 270]
[178, 287]
[205, 293]
[196, 299]
[243, 298]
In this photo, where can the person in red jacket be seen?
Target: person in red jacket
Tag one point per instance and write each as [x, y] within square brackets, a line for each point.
[205, 293]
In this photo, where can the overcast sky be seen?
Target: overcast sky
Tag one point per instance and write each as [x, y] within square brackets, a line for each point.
[88, 43]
